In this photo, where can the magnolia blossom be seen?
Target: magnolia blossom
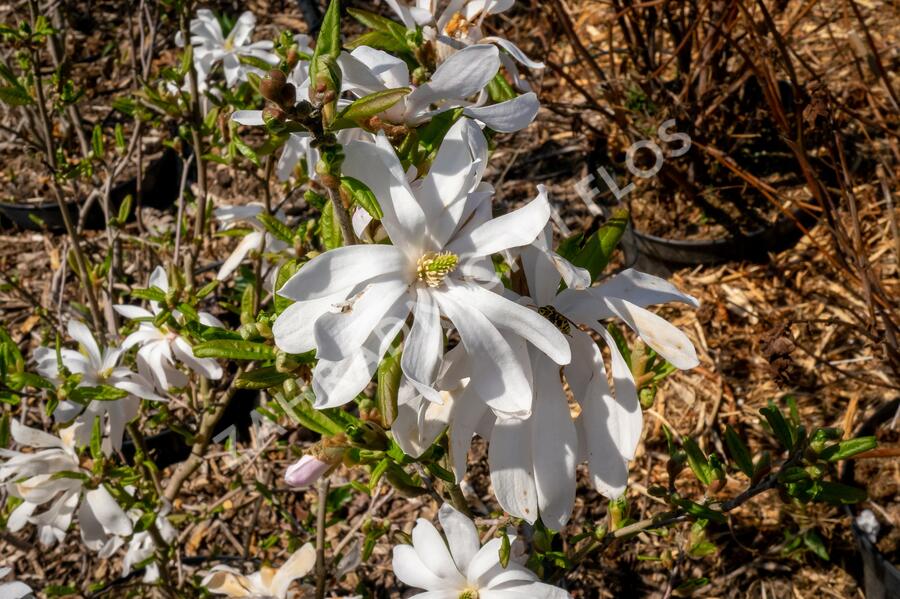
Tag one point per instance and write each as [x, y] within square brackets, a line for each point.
[533, 459]
[96, 367]
[267, 583]
[142, 547]
[459, 78]
[458, 25]
[352, 302]
[258, 239]
[53, 474]
[211, 46]
[15, 589]
[460, 568]
[159, 345]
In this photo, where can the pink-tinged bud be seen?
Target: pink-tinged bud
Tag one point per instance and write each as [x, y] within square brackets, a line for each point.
[305, 471]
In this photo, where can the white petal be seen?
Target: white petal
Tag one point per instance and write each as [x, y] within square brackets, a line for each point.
[243, 28]
[104, 508]
[460, 76]
[32, 437]
[253, 118]
[513, 229]
[498, 374]
[451, 177]
[509, 455]
[358, 78]
[391, 72]
[506, 117]
[80, 333]
[665, 338]
[206, 367]
[339, 333]
[339, 269]
[412, 571]
[432, 550]
[554, 447]
[297, 566]
[517, 319]
[132, 312]
[628, 437]
[377, 166]
[294, 328]
[462, 536]
[642, 289]
[424, 346]
[250, 242]
[514, 51]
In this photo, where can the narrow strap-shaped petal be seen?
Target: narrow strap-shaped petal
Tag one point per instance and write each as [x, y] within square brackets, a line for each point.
[513, 229]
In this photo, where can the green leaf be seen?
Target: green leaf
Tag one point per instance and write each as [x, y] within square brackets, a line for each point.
[814, 543]
[261, 378]
[698, 462]
[285, 272]
[15, 96]
[363, 196]
[837, 493]
[124, 210]
[154, 294]
[329, 228]
[738, 451]
[500, 90]
[595, 253]
[848, 449]
[378, 23]
[85, 395]
[505, 549]
[302, 411]
[388, 387]
[380, 41]
[98, 148]
[276, 228]
[248, 301]
[329, 41]
[368, 106]
[780, 427]
[699, 511]
[234, 349]
[245, 150]
[97, 439]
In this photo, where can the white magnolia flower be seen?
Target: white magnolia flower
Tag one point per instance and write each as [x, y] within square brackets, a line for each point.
[533, 459]
[15, 589]
[38, 478]
[461, 77]
[267, 583]
[211, 46]
[258, 239]
[142, 547]
[457, 24]
[159, 345]
[352, 302]
[96, 367]
[608, 429]
[461, 568]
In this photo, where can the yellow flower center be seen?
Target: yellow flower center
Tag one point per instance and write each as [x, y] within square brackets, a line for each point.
[457, 24]
[559, 321]
[433, 267]
[469, 594]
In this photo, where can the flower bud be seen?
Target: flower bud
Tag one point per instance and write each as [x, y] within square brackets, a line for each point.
[306, 471]
[271, 87]
[288, 96]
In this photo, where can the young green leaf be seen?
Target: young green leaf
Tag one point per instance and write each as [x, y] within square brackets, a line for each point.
[234, 349]
[738, 451]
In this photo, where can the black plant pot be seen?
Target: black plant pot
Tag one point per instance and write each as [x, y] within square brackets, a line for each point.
[755, 246]
[162, 178]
